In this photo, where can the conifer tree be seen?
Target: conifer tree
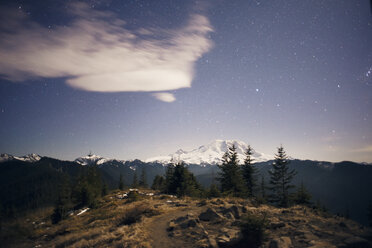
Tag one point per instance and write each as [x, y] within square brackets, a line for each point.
[262, 197]
[143, 182]
[182, 182]
[104, 189]
[369, 214]
[280, 179]
[88, 187]
[302, 196]
[121, 182]
[63, 201]
[169, 180]
[158, 183]
[213, 191]
[249, 172]
[231, 179]
[135, 181]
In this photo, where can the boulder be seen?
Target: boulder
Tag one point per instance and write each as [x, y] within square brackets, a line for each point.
[231, 212]
[229, 237]
[282, 242]
[189, 223]
[275, 225]
[210, 215]
[229, 216]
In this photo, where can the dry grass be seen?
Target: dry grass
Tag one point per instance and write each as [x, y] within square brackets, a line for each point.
[116, 223]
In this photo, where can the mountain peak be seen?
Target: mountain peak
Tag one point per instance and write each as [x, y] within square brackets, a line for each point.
[91, 159]
[210, 154]
[32, 157]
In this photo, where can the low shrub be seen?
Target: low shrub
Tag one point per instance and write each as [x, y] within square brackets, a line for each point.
[253, 230]
[135, 214]
[133, 196]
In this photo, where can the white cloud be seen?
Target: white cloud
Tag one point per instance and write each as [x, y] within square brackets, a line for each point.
[165, 97]
[98, 53]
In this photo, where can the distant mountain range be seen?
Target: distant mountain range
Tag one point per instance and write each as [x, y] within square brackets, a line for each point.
[210, 154]
[342, 187]
[27, 158]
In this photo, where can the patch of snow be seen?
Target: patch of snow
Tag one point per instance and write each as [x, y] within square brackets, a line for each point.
[83, 211]
[91, 159]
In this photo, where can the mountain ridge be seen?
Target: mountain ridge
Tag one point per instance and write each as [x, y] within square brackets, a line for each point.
[210, 154]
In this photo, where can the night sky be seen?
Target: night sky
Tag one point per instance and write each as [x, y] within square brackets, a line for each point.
[137, 79]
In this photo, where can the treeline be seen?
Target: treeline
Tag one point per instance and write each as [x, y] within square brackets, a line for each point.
[243, 180]
[83, 192]
[86, 191]
[238, 181]
[178, 181]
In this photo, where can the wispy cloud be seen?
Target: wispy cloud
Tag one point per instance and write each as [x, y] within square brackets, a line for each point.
[165, 97]
[96, 52]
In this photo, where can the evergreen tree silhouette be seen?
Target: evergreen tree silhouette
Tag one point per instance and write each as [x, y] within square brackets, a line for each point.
[63, 202]
[135, 180]
[302, 196]
[121, 182]
[230, 177]
[143, 182]
[249, 172]
[280, 179]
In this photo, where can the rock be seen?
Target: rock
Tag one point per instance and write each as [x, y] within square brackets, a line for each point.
[235, 211]
[276, 225]
[210, 215]
[357, 242]
[180, 219]
[282, 242]
[189, 223]
[229, 216]
[181, 205]
[212, 242]
[320, 244]
[229, 237]
[171, 226]
[244, 209]
[342, 224]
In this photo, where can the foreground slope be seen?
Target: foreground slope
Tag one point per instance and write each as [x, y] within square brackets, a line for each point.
[165, 221]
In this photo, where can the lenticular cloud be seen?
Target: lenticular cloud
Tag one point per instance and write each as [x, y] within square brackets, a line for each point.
[96, 52]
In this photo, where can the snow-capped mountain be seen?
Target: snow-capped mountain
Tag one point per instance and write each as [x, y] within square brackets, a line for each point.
[5, 157]
[210, 154]
[91, 159]
[27, 158]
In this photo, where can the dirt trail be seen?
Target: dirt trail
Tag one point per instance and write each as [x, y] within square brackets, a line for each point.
[157, 229]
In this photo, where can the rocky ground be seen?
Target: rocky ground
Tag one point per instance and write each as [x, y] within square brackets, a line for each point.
[298, 226]
[164, 221]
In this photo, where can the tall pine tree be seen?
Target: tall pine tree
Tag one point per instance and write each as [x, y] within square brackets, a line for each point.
[135, 180]
[169, 179]
[63, 203]
[262, 197]
[369, 214]
[121, 182]
[302, 196]
[142, 181]
[184, 182]
[280, 179]
[158, 183]
[230, 177]
[249, 172]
